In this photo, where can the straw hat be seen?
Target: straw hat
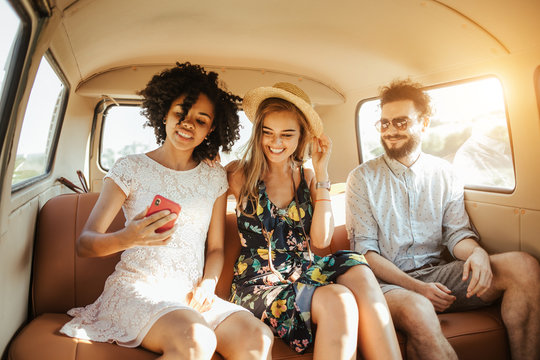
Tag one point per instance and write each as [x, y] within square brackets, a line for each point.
[286, 91]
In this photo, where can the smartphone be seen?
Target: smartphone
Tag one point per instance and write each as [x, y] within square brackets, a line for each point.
[162, 203]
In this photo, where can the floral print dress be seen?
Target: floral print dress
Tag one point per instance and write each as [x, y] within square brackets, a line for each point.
[284, 304]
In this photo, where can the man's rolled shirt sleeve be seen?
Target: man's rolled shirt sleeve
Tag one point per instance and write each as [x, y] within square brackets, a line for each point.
[456, 222]
[362, 229]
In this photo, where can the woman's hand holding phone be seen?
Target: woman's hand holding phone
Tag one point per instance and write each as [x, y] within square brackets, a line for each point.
[154, 225]
[162, 203]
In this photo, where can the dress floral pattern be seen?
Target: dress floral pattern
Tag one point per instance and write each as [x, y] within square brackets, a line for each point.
[150, 281]
[283, 305]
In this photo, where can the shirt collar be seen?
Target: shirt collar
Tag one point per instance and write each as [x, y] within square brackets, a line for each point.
[398, 168]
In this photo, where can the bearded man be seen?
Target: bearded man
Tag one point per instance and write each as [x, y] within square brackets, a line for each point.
[403, 209]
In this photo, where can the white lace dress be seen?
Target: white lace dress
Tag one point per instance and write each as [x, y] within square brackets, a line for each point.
[150, 281]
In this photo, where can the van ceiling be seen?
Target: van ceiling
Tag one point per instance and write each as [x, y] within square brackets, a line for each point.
[347, 45]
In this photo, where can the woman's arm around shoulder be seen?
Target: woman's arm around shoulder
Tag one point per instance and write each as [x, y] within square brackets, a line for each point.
[235, 176]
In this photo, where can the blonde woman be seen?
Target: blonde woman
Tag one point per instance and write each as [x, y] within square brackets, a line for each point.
[283, 210]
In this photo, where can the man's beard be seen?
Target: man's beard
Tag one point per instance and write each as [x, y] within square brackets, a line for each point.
[404, 150]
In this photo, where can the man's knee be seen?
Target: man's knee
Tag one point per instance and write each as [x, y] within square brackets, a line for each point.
[527, 264]
[517, 267]
[412, 312]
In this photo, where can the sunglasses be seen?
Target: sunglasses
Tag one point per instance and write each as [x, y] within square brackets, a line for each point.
[400, 123]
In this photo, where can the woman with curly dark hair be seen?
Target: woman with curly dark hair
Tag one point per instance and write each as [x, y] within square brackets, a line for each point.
[191, 80]
[161, 294]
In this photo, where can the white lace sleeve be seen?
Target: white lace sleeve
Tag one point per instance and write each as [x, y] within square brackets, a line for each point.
[221, 183]
[121, 173]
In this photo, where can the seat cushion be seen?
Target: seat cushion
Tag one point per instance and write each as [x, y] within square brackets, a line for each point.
[281, 351]
[477, 334]
[41, 339]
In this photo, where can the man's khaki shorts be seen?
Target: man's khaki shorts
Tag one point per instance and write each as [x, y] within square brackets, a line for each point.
[448, 274]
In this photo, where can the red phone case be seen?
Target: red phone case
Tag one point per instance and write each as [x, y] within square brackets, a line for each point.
[162, 203]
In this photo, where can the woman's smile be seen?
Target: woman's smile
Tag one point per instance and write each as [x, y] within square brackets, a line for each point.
[184, 135]
[276, 151]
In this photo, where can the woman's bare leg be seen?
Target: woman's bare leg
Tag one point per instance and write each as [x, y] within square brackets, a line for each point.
[376, 334]
[333, 310]
[242, 336]
[181, 334]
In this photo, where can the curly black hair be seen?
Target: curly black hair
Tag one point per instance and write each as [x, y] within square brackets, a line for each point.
[192, 80]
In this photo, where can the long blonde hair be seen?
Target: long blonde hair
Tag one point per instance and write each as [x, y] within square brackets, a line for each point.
[253, 163]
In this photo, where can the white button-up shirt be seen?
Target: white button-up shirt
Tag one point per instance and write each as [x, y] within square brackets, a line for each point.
[407, 215]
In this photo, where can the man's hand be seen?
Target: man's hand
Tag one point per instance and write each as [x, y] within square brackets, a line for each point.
[480, 268]
[438, 294]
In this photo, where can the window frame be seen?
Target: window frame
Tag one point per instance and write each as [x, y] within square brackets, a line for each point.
[103, 113]
[14, 71]
[483, 188]
[58, 127]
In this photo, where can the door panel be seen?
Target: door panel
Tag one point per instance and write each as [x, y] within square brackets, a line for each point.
[498, 225]
[530, 232]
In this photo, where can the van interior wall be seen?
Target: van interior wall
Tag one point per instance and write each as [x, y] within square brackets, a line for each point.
[73, 151]
[16, 243]
[339, 125]
[16, 249]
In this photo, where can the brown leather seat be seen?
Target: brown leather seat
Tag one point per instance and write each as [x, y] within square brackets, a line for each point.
[62, 280]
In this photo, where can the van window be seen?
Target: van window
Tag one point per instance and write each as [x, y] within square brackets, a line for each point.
[469, 128]
[11, 25]
[14, 38]
[124, 133]
[39, 132]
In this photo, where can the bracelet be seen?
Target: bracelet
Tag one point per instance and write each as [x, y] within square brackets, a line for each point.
[322, 185]
[323, 200]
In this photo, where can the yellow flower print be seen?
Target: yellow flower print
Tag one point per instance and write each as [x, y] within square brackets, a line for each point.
[278, 307]
[317, 276]
[264, 254]
[358, 257]
[242, 267]
[293, 213]
[259, 209]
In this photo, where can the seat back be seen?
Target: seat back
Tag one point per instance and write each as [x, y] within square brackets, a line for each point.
[62, 280]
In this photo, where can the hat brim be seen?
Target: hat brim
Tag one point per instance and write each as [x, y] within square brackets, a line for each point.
[254, 97]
